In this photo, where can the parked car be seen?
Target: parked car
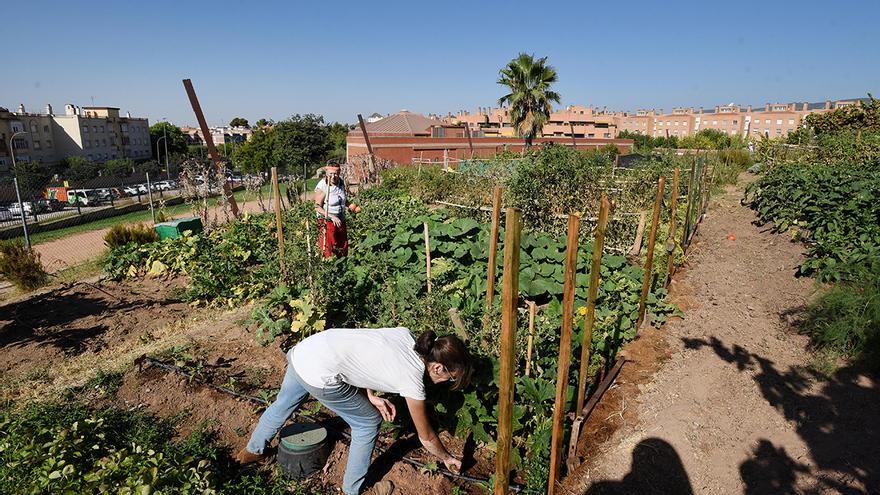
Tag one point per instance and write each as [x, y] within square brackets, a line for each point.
[142, 188]
[164, 185]
[5, 214]
[130, 190]
[83, 197]
[37, 205]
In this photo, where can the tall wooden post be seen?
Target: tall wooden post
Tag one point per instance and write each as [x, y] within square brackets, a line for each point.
[276, 194]
[673, 226]
[592, 293]
[649, 263]
[493, 247]
[209, 142]
[467, 131]
[574, 142]
[509, 298]
[559, 410]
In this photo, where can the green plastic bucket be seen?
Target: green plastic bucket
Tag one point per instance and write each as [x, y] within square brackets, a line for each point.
[303, 449]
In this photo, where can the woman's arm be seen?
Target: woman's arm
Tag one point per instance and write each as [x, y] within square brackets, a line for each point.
[428, 436]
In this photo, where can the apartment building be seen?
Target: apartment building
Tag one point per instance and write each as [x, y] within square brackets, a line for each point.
[773, 120]
[219, 134]
[94, 133]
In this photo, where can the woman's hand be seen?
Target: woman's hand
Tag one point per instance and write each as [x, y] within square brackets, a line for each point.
[452, 464]
[336, 221]
[385, 407]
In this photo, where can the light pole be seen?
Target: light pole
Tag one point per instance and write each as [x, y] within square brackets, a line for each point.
[158, 158]
[27, 239]
[165, 135]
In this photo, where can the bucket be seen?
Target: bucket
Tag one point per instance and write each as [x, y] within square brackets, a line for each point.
[303, 449]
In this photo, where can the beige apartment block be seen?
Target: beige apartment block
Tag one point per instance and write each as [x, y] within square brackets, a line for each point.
[35, 144]
[94, 133]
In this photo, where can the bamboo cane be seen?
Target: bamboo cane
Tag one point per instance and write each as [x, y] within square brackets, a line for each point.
[427, 255]
[533, 311]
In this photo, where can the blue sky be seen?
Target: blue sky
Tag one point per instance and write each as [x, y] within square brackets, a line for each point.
[273, 59]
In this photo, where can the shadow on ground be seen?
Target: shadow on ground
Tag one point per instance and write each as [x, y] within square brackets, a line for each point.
[656, 469]
[838, 424]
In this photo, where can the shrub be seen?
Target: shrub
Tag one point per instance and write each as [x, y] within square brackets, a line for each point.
[121, 235]
[21, 265]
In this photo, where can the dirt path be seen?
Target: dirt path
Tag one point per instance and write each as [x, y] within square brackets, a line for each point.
[724, 401]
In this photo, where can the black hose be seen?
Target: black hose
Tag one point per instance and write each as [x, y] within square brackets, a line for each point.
[445, 472]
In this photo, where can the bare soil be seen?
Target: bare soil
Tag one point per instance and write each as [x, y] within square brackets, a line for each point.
[726, 400]
[85, 318]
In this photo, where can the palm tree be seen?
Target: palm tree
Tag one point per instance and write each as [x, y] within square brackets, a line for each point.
[529, 81]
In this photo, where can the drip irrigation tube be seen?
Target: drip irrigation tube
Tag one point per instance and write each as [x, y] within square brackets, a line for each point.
[226, 390]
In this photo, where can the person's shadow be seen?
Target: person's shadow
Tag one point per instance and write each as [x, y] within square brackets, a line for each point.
[656, 469]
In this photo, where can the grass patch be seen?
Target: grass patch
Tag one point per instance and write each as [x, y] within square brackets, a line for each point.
[103, 223]
[846, 318]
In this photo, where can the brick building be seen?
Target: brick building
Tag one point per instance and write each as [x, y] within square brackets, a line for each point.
[405, 137]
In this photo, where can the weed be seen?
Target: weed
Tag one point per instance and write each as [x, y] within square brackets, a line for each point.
[21, 265]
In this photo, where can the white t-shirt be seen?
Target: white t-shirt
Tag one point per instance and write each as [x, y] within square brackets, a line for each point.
[381, 359]
[337, 197]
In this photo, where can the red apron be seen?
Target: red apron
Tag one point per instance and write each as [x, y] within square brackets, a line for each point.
[332, 239]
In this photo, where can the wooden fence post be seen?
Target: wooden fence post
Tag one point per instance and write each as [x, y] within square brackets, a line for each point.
[277, 197]
[673, 225]
[509, 298]
[649, 263]
[493, 248]
[592, 293]
[427, 256]
[559, 410]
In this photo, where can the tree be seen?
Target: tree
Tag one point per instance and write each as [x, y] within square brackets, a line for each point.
[77, 168]
[239, 122]
[256, 154]
[301, 141]
[176, 139]
[151, 167]
[32, 177]
[529, 99]
[120, 167]
[336, 134]
[264, 123]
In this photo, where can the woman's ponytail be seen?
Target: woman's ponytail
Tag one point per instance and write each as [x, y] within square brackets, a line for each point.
[425, 344]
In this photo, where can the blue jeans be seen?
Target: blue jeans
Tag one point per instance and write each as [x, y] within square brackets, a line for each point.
[348, 402]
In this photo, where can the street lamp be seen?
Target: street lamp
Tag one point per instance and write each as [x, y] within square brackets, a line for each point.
[27, 240]
[158, 158]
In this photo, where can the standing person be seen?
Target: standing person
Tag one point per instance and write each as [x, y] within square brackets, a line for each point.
[342, 367]
[331, 201]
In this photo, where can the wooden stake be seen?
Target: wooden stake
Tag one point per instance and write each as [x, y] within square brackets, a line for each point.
[673, 226]
[649, 263]
[209, 143]
[689, 207]
[493, 248]
[427, 255]
[640, 233]
[277, 197]
[509, 298]
[559, 410]
[533, 311]
[592, 293]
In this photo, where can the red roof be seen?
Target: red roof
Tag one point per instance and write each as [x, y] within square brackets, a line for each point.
[401, 123]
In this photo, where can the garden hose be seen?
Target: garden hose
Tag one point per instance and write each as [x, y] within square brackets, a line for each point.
[415, 462]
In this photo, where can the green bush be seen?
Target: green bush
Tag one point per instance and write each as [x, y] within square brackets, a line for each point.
[846, 318]
[21, 265]
[123, 234]
[69, 448]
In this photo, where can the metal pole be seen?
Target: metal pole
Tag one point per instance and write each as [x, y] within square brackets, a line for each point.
[150, 196]
[27, 239]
